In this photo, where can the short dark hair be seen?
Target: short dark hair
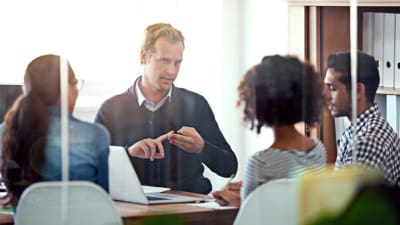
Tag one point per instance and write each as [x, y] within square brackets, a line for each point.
[281, 90]
[367, 71]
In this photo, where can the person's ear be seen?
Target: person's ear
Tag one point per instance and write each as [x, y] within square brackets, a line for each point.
[143, 57]
[360, 91]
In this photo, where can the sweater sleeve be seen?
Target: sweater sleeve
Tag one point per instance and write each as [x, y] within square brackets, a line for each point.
[101, 115]
[217, 153]
[111, 116]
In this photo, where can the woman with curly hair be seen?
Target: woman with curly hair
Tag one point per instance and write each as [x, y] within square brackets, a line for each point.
[279, 92]
[31, 134]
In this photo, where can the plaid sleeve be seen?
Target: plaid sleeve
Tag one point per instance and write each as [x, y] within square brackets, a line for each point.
[372, 153]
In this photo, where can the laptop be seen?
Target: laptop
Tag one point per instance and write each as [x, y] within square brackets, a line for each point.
[125, 186]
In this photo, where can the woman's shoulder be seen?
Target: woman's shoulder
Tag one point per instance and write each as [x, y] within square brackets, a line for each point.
[274, 154]
[318, 145]
[91, 131]
[265, 155]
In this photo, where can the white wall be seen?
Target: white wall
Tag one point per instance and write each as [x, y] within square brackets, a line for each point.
[252, 29]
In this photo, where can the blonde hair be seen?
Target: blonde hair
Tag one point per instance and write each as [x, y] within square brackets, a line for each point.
[155, 31]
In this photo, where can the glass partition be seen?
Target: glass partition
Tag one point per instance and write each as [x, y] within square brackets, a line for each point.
[106, 52]
[246, 95]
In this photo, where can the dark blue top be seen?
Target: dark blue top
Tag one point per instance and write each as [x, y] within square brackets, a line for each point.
[128, 122]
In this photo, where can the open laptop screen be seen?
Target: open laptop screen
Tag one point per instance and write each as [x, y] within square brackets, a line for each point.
[125, 185]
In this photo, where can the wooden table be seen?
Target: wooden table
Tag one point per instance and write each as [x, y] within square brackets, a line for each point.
[6, 219]
[189, 213]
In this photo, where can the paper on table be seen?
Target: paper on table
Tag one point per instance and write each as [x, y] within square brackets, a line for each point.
[213, 205]
[154, 189]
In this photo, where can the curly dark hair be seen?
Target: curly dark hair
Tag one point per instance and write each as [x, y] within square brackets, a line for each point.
[281, 90]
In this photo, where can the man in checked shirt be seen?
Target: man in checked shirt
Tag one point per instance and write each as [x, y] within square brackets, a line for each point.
[377, 144]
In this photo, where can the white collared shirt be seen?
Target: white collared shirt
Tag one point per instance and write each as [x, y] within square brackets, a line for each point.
[148, 104]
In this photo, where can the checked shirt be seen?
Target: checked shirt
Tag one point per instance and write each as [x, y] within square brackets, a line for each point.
[378, 145]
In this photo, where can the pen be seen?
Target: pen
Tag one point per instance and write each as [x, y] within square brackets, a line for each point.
[217, 197]
[227, 183]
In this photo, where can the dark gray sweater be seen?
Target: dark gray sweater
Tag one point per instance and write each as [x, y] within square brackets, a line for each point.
[128, 123]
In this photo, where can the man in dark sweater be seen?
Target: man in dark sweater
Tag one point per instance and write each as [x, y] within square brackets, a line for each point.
[169, 131]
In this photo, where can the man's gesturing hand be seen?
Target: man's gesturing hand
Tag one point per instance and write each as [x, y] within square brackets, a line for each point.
[147, 148]
[187, 139]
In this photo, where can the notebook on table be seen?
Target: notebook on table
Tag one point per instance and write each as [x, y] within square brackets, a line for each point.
[125, 186]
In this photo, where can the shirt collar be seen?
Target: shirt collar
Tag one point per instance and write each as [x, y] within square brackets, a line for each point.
[362, 119]
[141, 99]
[364, 116]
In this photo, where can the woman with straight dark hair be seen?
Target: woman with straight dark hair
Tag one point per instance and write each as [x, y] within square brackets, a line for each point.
[31, 134]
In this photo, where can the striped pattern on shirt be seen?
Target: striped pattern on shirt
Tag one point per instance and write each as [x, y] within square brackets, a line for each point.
[271, 164]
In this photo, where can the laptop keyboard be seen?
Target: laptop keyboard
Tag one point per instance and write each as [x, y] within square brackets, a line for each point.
[152, 198]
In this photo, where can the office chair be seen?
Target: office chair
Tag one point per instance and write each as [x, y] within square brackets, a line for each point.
[300, 200]
[65, 203]
[274, 202]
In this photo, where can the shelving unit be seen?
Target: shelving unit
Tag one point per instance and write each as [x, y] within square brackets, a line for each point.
[388, 91]
[318, 28]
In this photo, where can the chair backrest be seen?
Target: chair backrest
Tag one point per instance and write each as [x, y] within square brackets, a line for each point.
[65, 203]
[275, 202]
[297, 201]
